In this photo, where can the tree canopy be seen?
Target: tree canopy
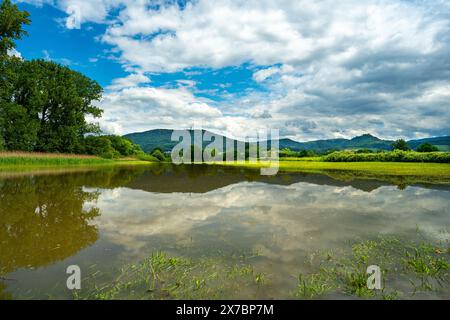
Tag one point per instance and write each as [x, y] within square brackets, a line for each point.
[45, 108]
[427, 147]
[111, 147]
[401, 144]
[12, 21]
[43, 105]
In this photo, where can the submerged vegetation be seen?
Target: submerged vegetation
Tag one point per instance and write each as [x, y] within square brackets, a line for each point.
[48, 219]
[163, 277]
[408, 269]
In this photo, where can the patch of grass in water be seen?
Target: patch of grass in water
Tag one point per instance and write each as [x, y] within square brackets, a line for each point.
[314, 285]
[407, 267]
[164, 277]
[424, 265]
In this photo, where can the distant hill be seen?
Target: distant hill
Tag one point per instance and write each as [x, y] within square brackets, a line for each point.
[149, 140]
[443, 143]
[366, 141]
[161, 138]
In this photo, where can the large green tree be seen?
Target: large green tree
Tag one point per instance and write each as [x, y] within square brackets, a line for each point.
[12, 21]
[47, 107]
[63, 99]
[43, 105]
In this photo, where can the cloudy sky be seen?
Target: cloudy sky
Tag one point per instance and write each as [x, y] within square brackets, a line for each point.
[312, 69]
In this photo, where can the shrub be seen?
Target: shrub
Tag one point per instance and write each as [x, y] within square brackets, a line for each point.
[100, 146]
[124, 146]
[159, 154]
[146, 157]
[364, 151]
[393, 156]
[287, 153]
[110, 147]
[427, 147]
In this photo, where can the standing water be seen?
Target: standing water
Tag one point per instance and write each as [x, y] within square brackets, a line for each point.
[255, 237]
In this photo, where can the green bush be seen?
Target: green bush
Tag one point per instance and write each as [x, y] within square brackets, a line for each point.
[364, 151]
[100, 146]
[427, 147]
[111, 147]
[394, 156]
[159, 154]
[124, 146]
[146, 157]
[287, 153]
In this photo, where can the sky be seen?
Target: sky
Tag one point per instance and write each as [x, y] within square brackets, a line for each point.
[312, 69]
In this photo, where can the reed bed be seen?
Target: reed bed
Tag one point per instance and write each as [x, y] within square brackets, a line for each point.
[22, 154]
[18, 158]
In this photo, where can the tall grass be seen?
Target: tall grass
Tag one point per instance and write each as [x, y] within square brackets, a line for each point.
[38, 159]
[146, 157]
[394, 156]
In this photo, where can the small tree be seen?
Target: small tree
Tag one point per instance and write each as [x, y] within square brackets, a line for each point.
[158, 154]
[100, 146]
[427, 147]
[124, 146]
[401, 145]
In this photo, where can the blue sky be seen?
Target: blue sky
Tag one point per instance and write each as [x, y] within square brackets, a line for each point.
[310, 69]
[49, 38]
[81, 50]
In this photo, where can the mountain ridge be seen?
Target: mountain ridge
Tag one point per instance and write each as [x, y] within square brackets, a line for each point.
[161, 138]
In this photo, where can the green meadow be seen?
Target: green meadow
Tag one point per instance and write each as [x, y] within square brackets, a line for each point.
[398, 173]
[419, 171]
[24, 161]
[382, 168]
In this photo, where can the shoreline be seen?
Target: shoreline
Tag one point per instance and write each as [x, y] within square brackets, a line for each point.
[384, 168]
[398, 172]
[25, 160]
[12, 170]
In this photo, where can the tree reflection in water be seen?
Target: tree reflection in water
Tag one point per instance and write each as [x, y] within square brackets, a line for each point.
[43, 218]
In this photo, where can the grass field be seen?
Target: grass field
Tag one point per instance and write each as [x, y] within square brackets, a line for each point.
[414, 172]
[397, 173]
[443, 148]
[383, 168]
[35, 159]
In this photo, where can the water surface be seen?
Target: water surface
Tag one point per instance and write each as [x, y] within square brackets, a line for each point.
[103, 219]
